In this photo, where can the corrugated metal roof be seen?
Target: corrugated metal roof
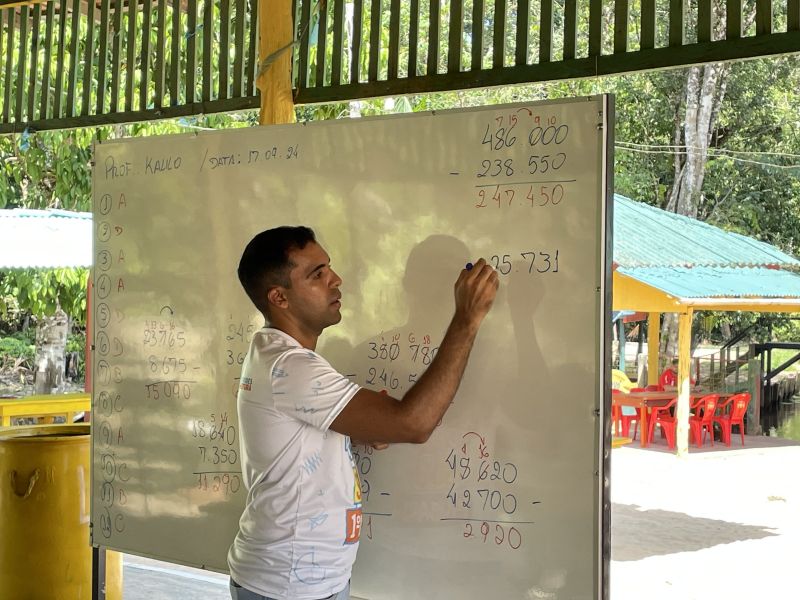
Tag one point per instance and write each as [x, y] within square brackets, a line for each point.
[718, 282]
[45, 238]
[646, 236]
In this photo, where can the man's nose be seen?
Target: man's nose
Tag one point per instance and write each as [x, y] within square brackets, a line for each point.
[336, 281]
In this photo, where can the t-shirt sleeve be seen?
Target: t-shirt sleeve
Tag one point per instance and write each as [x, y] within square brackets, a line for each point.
[307, 387]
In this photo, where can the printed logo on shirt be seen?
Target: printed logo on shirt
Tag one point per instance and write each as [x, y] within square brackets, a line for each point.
[246, 384]
[353, 525]
[356, 487]
[312, 463]
[353, 515]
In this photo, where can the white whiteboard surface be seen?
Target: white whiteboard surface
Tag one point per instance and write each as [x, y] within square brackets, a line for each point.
[504, 501]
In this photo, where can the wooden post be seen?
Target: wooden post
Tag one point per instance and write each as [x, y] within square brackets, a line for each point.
[684, 382]
[754, 386]
[653, 342]
[276, 24]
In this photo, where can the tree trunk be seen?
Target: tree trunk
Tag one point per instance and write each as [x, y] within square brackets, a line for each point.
[704, 92]
[51, 342]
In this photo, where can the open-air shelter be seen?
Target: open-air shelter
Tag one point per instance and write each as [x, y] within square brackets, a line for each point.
[81, 63]
[669, 263]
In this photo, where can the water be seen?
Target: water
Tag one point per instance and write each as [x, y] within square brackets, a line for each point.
[789, 419]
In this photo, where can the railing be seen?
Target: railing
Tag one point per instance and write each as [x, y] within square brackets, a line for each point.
[374, 48]
[73, 63]
[776, 391]
[725, 370]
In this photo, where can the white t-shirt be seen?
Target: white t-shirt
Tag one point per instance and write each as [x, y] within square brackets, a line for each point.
[298, 535]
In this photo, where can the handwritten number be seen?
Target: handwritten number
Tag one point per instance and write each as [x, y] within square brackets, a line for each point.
[465, 468]
[506, 268]
[558, 194]
[451, 462]
[487, 136]
[499, 535]
[525, 256]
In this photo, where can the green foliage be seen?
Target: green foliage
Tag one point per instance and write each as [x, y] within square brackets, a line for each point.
[50, 169]
[16, 350]
[76, 342]
[42, 291]
[786, 330]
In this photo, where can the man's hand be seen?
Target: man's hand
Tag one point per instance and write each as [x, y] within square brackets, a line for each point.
[475, 290]
[373, 445]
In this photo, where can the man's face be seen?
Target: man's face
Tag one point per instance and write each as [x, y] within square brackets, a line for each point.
[314, 294]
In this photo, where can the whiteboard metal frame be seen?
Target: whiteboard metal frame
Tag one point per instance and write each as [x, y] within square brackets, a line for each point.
[603, 428]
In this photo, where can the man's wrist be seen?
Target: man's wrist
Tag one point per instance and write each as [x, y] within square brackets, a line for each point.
[467, 324]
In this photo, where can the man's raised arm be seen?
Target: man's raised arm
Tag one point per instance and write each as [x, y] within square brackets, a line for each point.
[375, 417]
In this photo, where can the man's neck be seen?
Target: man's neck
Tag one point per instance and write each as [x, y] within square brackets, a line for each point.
[307, 339]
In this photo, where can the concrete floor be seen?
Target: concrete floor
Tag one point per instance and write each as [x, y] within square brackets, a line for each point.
[146, 579]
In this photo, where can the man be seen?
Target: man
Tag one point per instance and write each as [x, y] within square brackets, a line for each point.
[299, 532]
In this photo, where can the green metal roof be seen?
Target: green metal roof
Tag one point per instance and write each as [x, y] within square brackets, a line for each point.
[646, 236]
[718, 282]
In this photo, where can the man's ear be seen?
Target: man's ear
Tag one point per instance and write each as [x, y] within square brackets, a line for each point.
[276, 297]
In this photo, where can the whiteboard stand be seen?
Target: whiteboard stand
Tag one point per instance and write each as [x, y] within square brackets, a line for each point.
[98, 573]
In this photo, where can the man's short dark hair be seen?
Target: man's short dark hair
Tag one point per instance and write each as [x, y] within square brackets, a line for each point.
[265, 261]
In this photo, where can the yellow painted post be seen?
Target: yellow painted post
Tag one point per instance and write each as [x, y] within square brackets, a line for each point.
[113, 575]
[684, 382]
[653, 342]
[276, 25]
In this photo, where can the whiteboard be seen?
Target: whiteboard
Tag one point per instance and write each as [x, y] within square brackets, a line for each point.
[505, 500]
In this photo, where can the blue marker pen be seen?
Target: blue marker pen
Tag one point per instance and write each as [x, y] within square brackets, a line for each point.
[469, 267]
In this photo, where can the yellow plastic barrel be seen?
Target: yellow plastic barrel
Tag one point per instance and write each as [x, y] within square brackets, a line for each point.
[44, 513]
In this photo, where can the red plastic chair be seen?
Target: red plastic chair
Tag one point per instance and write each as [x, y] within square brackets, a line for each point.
[626, 420]
[616, 415]
[702, 420]
[652, 388]
[663, 417]
[738, 408]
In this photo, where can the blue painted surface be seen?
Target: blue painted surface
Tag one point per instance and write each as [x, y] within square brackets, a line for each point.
[719, 282]
[646, 236]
